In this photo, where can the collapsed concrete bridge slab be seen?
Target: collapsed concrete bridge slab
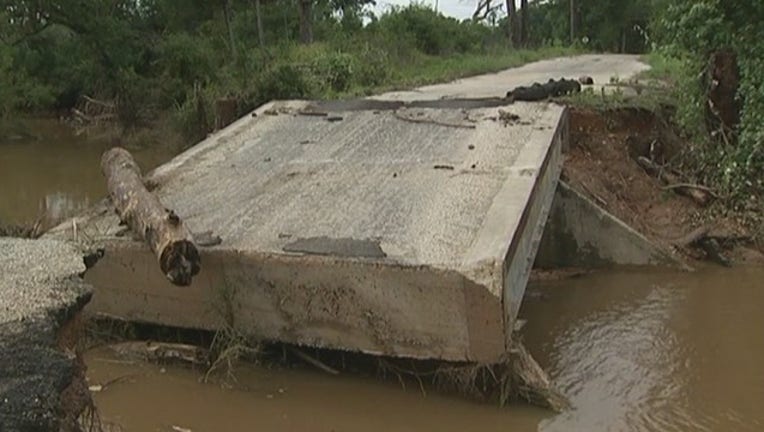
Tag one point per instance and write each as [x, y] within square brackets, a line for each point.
[393, 229]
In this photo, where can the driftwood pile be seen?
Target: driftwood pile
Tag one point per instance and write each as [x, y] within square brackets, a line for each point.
[91, 112]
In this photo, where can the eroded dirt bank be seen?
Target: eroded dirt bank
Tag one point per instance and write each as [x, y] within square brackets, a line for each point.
[606, 162]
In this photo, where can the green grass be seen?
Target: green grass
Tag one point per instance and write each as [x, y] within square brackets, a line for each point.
[662, 67]
[442, 69]
[651, 99]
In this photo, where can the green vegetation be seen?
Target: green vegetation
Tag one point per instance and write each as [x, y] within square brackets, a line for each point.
[602, 25]
[681, 37]
[170, 60]
[688, 32]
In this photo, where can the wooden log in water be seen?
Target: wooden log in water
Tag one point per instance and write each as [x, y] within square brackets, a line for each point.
[148, 219]
[531, 383]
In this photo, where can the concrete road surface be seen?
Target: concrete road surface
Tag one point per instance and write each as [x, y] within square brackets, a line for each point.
[601, 67]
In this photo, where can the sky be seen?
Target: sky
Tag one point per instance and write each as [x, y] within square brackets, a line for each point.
[456, 8]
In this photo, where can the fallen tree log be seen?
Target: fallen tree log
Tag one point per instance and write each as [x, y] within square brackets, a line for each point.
[700, 238]
[531, 383]
[149, 220]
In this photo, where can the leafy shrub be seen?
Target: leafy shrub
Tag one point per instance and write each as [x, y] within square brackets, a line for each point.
[284, 81]
[373, 66]
[194, 117]
[182, 62]
[136, 96]
[7, 99]
[431, 32]
[334, 70]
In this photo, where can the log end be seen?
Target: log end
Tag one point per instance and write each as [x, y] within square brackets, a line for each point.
[180, 262]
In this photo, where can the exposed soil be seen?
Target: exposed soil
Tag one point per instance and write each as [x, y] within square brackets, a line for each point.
[601, 163]
[75, 399]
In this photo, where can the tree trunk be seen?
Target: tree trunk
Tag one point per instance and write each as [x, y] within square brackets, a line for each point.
[226, 112]
[524, 22]
[228, 16]
[305, 8]
[722, 104]
[260, 30]
[623, 41]
[141, 210]
[513, 23]
[572, 22]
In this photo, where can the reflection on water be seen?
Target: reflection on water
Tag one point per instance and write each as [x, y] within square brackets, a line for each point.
[57, 206]
[47, 171]
[633, 351]
[151, 398]
[655, 352]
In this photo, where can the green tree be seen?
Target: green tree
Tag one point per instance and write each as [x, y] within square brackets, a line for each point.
[692, 30]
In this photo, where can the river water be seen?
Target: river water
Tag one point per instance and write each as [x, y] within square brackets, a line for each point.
[48, 172]
[634, 351]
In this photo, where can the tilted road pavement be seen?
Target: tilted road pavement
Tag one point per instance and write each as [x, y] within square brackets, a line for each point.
[601, 67]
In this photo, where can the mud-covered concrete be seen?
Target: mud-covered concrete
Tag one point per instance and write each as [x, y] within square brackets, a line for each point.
[41, 294]
[406, 232]
[582, 234]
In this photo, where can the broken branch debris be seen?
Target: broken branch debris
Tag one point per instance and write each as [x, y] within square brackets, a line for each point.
[700, 238]
[149, 220]
[405, 118]
[700, 194]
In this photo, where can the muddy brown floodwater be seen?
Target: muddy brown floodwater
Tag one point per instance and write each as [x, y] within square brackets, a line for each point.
[634, 351]
[48, 171]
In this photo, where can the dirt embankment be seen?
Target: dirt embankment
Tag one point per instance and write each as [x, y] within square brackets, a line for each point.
[602, 163]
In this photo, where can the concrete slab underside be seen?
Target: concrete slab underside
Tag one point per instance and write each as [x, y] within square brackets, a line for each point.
[406, 232]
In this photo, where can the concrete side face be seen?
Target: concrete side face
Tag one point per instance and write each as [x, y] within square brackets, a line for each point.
[317, 301]
[525, 244]
[40, 292]
[581, 234]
